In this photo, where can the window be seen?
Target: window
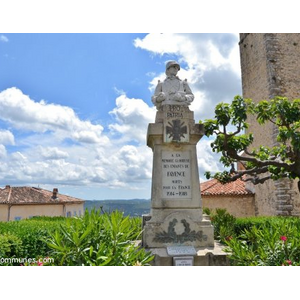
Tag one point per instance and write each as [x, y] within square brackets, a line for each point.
[68, 214]
[18, 218]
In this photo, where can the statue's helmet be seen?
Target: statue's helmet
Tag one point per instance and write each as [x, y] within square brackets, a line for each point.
[172, 63]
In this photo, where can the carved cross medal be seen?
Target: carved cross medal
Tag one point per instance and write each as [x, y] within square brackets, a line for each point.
[176, 131]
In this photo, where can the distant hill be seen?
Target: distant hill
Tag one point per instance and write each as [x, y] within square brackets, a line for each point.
[132, 207]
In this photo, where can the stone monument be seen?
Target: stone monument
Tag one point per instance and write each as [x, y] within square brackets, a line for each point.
[176, 230]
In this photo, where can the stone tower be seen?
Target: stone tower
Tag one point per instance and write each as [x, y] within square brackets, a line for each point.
[270, 64]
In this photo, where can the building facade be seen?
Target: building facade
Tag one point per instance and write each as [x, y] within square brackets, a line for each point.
[232, 196]
[270, 64]
[18, 203]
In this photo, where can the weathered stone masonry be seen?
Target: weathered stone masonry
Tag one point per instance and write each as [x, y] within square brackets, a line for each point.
[270, 64]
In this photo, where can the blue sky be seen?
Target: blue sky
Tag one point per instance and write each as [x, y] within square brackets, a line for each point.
[74, 108]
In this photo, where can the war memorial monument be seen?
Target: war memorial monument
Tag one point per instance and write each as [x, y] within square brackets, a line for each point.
[176, 231]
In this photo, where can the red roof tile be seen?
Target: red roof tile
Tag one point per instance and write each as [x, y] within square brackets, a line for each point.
[32, 195]
[214, 187]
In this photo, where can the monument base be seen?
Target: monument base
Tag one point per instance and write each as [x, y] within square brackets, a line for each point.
[204, 256]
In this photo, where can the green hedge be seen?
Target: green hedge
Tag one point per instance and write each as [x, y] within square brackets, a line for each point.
[25, 238]
[260, 222]
[258, 241]
[93, 239]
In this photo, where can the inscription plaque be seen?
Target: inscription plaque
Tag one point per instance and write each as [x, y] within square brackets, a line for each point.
[186, 261]
[181, 250]
[176, 175]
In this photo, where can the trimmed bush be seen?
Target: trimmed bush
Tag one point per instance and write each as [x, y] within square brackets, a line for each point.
[10, 247]
[26, 237]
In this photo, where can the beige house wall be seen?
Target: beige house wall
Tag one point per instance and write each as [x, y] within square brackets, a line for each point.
[74, 210]
[237, 206]
[3, 212]
[30, 210]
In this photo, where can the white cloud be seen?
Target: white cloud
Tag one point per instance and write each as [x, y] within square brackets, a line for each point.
[207, 160]
[2, 152]
[136, 162]
[89, 136]
[18, 156]
[210, 63]
[53, 153]
[6, 137]
[161, 44]
[133, 117]
[196, 50]
[94, 158]
[26, 114]
[3, 38]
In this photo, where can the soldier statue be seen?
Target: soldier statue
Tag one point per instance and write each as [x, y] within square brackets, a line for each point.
[172, 90]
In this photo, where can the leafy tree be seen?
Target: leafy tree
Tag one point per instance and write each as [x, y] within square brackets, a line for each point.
[262, 163]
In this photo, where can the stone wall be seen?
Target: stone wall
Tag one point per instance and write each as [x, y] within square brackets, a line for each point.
[238, 206]
[270, 65]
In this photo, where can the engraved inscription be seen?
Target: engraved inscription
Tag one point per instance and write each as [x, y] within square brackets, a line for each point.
[174, 115]
[176, 171]
[183, 261]
[181, 250]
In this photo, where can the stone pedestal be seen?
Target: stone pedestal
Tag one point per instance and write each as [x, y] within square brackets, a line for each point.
[204, 256]
[176, 217]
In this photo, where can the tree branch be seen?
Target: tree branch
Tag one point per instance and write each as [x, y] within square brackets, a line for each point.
[254, 171]
[256, 180]
[248, 153]
[271, 162]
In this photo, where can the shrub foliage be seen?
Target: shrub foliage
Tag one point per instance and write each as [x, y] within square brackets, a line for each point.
[99, 240]
[94, 239]
[258, 241]
[25, 238]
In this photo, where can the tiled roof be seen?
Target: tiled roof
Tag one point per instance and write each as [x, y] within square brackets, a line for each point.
[214, 187]
[32, 195]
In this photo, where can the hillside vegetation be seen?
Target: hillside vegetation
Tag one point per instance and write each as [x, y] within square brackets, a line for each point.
[132, 207]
